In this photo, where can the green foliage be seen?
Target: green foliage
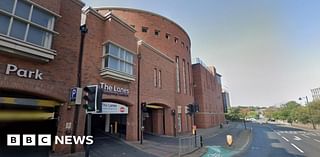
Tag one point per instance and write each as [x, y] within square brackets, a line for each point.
[294, 112]
[233, 114]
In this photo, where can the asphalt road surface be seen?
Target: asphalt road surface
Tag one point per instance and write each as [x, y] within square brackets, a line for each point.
[272, 140]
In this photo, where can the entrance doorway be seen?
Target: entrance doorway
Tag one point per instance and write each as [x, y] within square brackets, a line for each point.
[112, 121]
[21, 113]
[154, 120]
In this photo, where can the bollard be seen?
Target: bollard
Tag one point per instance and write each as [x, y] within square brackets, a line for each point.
[201, 141]
[229, 140]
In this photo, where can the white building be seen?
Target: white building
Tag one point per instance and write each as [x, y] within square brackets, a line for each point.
[315, 93]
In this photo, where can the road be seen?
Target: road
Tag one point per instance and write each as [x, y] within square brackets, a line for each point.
[272, 140]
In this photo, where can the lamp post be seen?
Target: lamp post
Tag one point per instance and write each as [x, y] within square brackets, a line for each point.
[307, 104]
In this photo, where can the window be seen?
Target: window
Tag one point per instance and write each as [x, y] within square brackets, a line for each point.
[155, 77]
[26, 22]
[133, 26]
[167, 35]
[157, 32]
[184, 76]
[178, 75]
[159, 79]
[190, 83]
[118, 59]
[187, 48]
[182, 43]
[144, 29]
[176, 39]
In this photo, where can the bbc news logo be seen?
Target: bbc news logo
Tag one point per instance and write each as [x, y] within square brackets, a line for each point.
[45, 140]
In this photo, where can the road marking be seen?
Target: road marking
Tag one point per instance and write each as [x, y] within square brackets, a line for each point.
[316, 140]
[305, 136]
[285, 138]
[297, 148]
[278, 133]
[297, 138]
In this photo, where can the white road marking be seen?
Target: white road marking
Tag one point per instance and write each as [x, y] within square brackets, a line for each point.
[316, 140]
[297, 148]
[305, 136]
[297, 138]
[278, 133]
[285, 138]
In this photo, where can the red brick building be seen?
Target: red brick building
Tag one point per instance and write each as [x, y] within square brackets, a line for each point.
[208, 95]
[160, 52]
[39, 47]
[136, 57]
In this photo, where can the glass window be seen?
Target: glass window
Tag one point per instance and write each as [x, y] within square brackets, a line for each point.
[118, 59]
[122, 54]
[113, 63]
[113, 50]
[144, 29]
[159, 79]
[40, 17]
[36, 36]
[7, 5]
[129, 57]
[18, 29]
[23, 9]
[178, 74]
[155, 77]
[4, 20]
[129, 69]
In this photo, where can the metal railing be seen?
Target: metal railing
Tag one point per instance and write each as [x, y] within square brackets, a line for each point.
[189, 144]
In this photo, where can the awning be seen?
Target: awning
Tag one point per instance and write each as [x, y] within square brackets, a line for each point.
[29, 102]
[154, 106]
[25, 115]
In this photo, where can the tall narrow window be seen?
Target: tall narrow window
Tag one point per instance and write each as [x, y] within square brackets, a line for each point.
[155, 77]
[184, 76]
[178, 75]
[159, 79]
[189, 79]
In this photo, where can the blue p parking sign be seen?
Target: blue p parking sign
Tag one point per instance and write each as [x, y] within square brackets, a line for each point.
[73, 94]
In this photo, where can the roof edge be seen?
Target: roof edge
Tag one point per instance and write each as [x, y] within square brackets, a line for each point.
[148, 12]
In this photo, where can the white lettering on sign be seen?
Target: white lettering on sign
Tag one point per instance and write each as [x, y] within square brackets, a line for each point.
[11, 68]
[114, 90]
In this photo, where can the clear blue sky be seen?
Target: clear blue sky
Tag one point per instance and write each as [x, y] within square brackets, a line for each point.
[268, 51]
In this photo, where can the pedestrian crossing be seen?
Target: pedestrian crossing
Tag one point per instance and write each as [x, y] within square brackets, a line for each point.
[299, 132]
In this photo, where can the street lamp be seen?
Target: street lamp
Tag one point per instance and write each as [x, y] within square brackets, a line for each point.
[307, 104]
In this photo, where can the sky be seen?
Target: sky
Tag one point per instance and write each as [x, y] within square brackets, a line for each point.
[268, 51]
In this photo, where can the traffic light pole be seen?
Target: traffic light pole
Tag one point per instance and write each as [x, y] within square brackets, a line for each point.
[89, 115]
[83, 30]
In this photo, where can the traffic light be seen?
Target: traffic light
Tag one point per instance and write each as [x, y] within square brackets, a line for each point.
[144, 107]
[93, 98]
[196, 108]
[190, 109]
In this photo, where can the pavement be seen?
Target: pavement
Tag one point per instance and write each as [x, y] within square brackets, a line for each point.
[163, 146]
[217, 145]
[169, 146]
[283, 141]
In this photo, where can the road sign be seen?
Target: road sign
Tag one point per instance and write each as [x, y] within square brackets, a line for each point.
[73, 94]
[76, 95]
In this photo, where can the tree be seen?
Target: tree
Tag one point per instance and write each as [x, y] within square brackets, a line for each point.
[315, 111]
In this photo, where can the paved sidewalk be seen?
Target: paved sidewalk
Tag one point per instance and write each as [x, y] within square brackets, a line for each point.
[169, 146]
[297, 127]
